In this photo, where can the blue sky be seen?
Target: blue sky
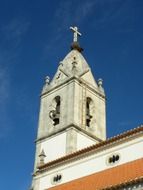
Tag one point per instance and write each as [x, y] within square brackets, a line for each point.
[34, 38]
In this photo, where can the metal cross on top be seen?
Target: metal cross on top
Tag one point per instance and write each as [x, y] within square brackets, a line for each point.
[76, 33]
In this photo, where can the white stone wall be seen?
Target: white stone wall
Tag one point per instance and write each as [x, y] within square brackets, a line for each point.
[66, 114]
[88, 77]
[56, 145]
[83, 141]
[98, 120]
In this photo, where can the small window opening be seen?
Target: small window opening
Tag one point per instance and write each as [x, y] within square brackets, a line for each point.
[57, 178]
[113, 159]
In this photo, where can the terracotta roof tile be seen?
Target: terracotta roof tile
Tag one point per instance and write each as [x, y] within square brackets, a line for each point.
[107, 179]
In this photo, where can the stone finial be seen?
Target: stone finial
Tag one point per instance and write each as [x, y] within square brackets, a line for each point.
[42, 157]
[61, 63]
[46, 85]
[100, 85]
[47, 80]
[100, 82]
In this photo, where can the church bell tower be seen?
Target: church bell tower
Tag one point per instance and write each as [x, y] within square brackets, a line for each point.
[72, 110]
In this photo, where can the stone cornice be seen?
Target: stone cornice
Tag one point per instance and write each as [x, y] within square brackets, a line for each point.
[81, 81]
[72, 125]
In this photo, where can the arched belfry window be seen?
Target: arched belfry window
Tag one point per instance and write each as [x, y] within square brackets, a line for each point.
[58, 104]
[55, 112]
[88, 111]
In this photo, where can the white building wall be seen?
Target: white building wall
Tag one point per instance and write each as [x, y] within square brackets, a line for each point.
[83, 141]
[96, 162]
[54, 147]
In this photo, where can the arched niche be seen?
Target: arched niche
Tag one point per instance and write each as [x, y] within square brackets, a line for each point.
[55, 112]
[89, 111]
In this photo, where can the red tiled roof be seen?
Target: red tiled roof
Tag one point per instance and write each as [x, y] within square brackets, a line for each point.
[112, 178]
[109, 141]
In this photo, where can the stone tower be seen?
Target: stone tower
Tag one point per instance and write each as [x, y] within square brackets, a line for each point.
[72, 110]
